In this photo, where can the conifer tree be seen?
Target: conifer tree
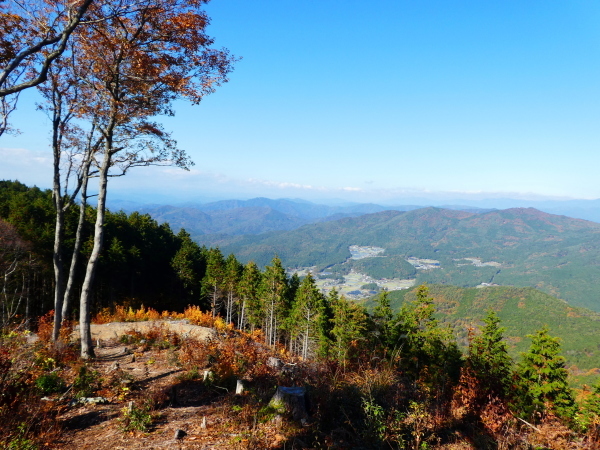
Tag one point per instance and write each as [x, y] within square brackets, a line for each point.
[212, 284]
[308, 320]
[349, 323]
[428, 350]
[488, 358]
[591, 413]
[231, 278]
[274, 288]
[251, 306]
[325, 327]
[293, 285]
[542, 376]
[382, 320]
[189, 265]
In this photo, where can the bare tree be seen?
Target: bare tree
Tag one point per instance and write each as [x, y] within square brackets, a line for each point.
[8, 104]
[132, 68]
[15, 261]
[73, 149]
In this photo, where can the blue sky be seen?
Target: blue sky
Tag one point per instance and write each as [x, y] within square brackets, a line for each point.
[379, 101]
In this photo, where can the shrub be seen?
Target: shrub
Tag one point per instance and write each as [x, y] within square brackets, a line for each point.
[123, 313]
[136, 418]
[235, 355]
[25, 420]
[50, 383]
[86, 383]
[157, 336]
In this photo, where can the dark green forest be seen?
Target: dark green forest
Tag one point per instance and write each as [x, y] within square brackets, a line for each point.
[522, 311]
[142, 262]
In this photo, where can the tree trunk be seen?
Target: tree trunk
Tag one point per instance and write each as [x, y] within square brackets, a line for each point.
[27, 299]
[58, 271]
[214, 301]
[241, 316]
[87, 350]
[57, 258]
[290, 400]
[78, 240]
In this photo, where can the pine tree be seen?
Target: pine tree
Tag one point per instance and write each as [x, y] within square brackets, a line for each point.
[231, 277]
[542, 376]
[212, 284]
[428, 351]
[189, 265]
[488, 358]
[382, 321]
[590, 418]
[325, 327]
[293, 285]
[308, 320]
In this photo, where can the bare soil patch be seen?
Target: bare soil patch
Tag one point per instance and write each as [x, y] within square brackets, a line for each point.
[115, 330]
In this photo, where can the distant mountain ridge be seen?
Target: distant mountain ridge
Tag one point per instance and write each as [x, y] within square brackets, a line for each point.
[576, 208]
[303, 210]
[518, 246]
[249, 220]
[258, 215]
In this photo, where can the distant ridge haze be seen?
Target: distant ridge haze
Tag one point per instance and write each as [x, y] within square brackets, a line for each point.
[302, 211]
[258, 215]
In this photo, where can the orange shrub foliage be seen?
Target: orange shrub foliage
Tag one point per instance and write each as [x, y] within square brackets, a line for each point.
[158, 336]
[197, 317]
[236, 354]
[26, 421]
[128, 314]
[46, 326]
[192, 313]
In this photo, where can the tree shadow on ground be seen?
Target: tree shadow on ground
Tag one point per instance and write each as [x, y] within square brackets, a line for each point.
[88, 419]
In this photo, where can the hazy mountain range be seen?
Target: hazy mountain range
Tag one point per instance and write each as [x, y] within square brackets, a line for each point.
[256, 216]
[260, 215]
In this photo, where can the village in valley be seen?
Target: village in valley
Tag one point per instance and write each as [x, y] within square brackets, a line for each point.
[356, 285]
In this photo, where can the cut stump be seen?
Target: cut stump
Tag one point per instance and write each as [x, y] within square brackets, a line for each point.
[290, 401]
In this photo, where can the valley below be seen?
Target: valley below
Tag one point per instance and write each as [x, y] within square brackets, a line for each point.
[358, 285]
[520, 247]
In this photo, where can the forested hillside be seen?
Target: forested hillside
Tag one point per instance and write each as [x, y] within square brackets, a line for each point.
[255, 216]
[147, 264]
[520, 247]
[142, 263]
[260, 215]
[522, 312]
